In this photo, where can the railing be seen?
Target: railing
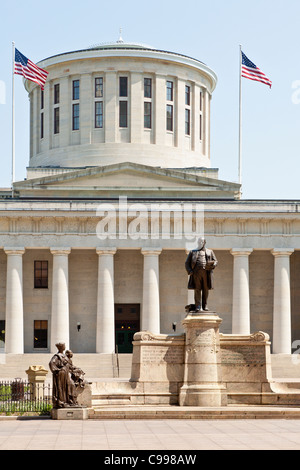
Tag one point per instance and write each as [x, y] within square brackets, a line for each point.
[21, 396]
[117, 360]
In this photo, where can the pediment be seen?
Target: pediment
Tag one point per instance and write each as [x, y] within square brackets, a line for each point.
[130, 178]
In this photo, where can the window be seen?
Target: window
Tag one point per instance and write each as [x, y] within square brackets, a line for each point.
[56, 120]
[98, 114]
[123, 89]
[99, 87]
[169, 91]
[56, 93]
[200, 116]
[187, 95]
[42, 115]
[147, 115]
[123, 114]
[42, 125]
[187, 122]
[41, 274]
[169, 117]
[75, 94]
[75, 117]
[40, 334]
[147, 88]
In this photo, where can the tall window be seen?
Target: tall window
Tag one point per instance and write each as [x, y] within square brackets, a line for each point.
[187, 122]
[123, 114]
[187, 95]
[75, 91]
[56, 108]
[123, 105]
[99, 87]
[75, 106]
[98, 114]
[147, 115]
[42, 115]
[98, 102]
[148, 103]
[56, 93]
[169, 117]
[201, 116]
[123, 86]
[187, 110]
[41, 274]
[147, 88]
[40, 334]
[75, 116]
[169, 91]
[56, 120]
[169, 109]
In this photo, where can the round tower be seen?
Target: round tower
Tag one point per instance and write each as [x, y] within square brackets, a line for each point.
[120, 102]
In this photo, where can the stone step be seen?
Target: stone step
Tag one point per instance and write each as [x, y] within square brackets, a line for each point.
[187, 412]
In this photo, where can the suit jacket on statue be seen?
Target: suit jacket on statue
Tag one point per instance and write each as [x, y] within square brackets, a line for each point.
[190, 263]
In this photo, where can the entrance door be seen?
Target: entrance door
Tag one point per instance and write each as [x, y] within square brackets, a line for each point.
[127, 322]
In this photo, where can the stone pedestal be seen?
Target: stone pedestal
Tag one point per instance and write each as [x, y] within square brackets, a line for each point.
[37, 376]
[202, 385]
[69, 413]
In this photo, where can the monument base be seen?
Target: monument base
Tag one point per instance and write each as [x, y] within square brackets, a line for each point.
[69, 413]
[202, 384]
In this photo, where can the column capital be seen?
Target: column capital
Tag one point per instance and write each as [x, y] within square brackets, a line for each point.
[106, 251]
[241, 251]
[282, 251]
[14, 250]
[151, 251]
[60, 250]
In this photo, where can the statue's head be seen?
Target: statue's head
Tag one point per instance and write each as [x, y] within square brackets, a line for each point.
[201, 243]
[69, 353]
[61, 346]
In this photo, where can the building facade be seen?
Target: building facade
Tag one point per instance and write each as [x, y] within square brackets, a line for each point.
[119, 186]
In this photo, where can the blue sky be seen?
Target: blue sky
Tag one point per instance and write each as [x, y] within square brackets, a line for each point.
[268, 30]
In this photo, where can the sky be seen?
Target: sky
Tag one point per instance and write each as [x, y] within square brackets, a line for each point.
[268, 31]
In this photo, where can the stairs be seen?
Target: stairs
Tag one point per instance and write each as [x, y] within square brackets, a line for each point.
[95, 366]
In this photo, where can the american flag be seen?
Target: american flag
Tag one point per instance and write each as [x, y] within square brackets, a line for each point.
[24, 66]
[251, 71]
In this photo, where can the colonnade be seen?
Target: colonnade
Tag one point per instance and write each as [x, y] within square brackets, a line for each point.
[150, 318]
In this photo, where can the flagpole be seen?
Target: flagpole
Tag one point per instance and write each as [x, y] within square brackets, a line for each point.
[240, 120]
[13, 118]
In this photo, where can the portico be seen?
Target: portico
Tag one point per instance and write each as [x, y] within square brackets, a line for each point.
[86, 284]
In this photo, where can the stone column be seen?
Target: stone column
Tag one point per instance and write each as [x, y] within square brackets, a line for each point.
[151, 304]
[282, 302]
[60, 298]
[14, 323]
[105, 334]
[202, 383]
[241, 297]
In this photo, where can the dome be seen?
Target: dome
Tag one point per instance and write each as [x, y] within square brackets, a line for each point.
[151, 107]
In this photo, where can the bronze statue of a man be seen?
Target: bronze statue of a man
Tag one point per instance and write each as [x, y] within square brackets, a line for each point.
[200, 264]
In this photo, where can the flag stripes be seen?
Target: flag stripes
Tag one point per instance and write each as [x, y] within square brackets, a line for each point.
[251, 71]
[30, 71]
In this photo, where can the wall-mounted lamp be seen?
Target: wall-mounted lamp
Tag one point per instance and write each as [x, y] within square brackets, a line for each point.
[78, 325]
[174, 325]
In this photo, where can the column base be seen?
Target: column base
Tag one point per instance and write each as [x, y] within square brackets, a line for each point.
[203, 395]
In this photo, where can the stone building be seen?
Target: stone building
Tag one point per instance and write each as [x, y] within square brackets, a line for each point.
[94, 240]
